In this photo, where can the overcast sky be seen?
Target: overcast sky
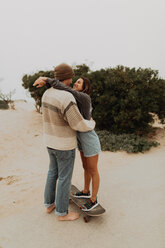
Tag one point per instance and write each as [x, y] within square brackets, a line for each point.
[37, 35]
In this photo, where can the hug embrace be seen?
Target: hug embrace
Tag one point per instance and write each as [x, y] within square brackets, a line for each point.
[67, 123]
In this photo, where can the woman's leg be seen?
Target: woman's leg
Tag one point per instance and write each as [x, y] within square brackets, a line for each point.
[91, 163]
[87, 176]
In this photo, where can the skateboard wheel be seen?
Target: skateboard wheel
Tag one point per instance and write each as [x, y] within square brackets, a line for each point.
[86, 219]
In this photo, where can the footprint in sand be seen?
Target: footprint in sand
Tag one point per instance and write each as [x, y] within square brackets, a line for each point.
[10, 179]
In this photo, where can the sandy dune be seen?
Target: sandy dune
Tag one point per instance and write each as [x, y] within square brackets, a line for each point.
[132, 190]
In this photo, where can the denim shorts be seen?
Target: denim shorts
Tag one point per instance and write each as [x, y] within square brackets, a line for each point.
[88, 143]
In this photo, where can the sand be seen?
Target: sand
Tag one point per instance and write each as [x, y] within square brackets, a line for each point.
[132, 190]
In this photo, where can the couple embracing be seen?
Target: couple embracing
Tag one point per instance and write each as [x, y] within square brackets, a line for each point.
[67, 123]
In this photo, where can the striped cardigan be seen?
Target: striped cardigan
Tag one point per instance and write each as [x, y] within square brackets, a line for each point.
[61, 119]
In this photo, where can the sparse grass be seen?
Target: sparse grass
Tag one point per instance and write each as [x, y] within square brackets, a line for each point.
[130, 143]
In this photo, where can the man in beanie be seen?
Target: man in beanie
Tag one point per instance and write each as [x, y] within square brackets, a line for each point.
[61, 120]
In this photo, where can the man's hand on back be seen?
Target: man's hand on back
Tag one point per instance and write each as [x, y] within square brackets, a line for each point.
[40, 82]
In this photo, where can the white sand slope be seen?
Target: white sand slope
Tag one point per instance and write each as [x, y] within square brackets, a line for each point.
[132, 190]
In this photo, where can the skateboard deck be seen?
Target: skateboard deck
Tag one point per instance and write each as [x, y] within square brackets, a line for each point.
[97, 211]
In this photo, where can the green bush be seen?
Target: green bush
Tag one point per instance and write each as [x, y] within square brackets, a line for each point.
[3, 105]
[130, 143]
[125, 99]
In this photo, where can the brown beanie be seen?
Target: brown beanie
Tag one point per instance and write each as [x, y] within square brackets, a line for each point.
[63, 72]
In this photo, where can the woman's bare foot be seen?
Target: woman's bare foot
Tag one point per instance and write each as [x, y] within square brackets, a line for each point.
[50, 209]
[69, 216]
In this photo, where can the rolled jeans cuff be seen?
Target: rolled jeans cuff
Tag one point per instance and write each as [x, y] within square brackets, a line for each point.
[49, 205]
[61, 214]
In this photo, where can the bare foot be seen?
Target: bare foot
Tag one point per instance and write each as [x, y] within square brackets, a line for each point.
[69, 216]
[50, 209]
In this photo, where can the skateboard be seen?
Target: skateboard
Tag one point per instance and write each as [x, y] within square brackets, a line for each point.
[97, 211]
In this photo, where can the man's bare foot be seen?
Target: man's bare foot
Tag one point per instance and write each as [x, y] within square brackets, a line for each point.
[50, 209]
[69, 216]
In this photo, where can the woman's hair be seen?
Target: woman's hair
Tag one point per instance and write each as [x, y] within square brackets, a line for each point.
[86, 85]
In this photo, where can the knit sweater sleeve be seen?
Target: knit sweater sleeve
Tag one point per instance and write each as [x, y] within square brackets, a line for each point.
[83, 100]
[75, 120]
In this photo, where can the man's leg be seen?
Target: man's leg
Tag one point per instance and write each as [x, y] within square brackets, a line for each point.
[50, 187]
[65, 161]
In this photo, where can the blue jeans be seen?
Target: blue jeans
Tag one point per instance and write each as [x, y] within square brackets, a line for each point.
[61, 169]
